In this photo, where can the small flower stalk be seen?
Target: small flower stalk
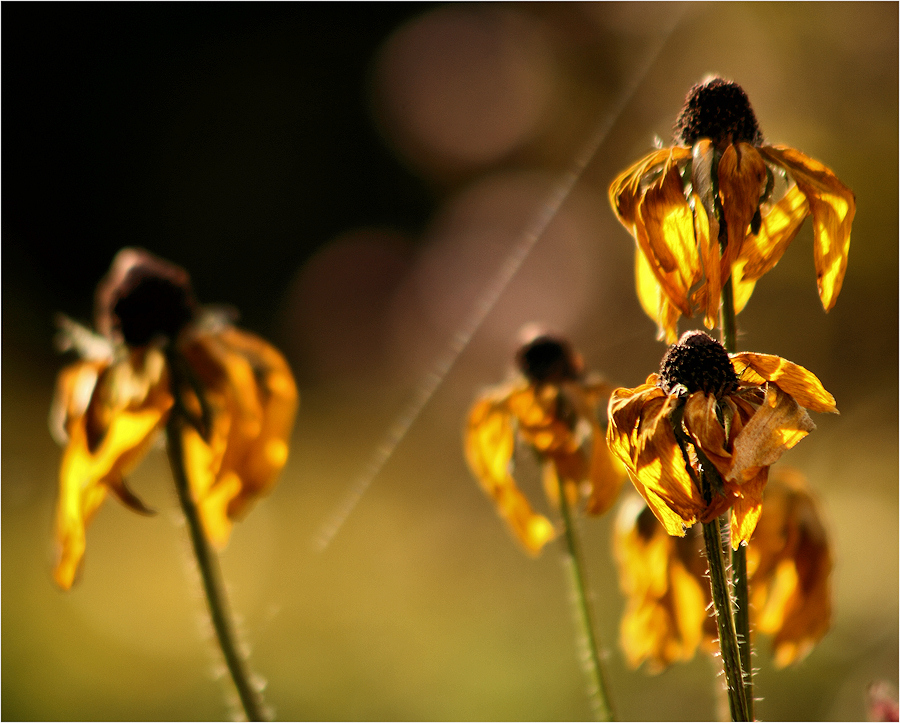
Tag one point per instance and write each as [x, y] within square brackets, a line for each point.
[720, 204]
[552, 409]
[225, 398]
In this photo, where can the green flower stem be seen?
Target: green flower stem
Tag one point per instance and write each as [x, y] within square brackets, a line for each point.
[588, 642]
[731, 661]
[709, 483]
[738, 556]
[207, 563]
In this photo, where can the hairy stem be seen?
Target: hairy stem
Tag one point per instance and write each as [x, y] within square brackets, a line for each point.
[588, 642]
[739, 556]
[207, 563]
[731, 660]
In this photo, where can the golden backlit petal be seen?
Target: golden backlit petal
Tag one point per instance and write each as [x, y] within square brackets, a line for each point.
[779, 227]
[741, 285]
[531, 529]
[778, 425]
[654, 302]
[666, 602]
[795, 380]
[251, 397]
[665, 482]
[626, 190]
[605, 476]
[790, 580]
[274, 394]
[747, 508]
[742, 179]
[707, 296]
[489, 441]
[624, 412]
[833, 207]
[211, 491]
[665, 227]
[86, 475]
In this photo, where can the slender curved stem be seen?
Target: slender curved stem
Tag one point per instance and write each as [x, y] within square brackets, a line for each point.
[588, 641]
[207, 563]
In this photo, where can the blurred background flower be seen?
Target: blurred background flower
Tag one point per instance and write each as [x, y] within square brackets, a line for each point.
[351, 177]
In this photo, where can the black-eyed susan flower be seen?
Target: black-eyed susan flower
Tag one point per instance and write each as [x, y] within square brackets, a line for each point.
[157, 348]
[553, 410]
[664, 580]
[720, 203]
[698, 438]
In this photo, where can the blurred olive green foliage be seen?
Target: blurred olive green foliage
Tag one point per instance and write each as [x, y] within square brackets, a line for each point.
[351, 177]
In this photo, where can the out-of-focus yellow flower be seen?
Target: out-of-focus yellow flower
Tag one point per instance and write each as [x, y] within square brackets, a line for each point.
[719, 202]
[237, 391]
[664, 580]
[737, 412]
[789, 566]
[552, 409]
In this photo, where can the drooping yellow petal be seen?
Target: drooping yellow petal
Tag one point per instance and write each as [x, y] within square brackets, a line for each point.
[250, 397]
[654, 302]
[627, 188]
[777, 425]
[605, 476]
[795, 380]
[96, 461]
[742, 178]
[274, 391]
[742, 286]
[747, 508]
[662, 579]
[489, 445]
[790, 565]
[833, 207]
[665, 234]
[708, 296]
[780, 224]
[641, 435]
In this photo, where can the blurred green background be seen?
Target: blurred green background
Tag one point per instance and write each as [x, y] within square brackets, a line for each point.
[351, 178]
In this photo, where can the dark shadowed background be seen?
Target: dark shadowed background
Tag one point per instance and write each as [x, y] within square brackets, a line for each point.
[351, 178]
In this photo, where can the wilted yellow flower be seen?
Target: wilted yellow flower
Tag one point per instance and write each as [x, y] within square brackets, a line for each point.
[664, 580]
[737, 412]
[237, 391]
[552, 409]
[719, 202]
[789, 566]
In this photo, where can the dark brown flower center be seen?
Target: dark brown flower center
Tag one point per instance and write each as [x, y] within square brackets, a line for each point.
[719, 110]
[700, 364]
[548, 359]
[143, 298]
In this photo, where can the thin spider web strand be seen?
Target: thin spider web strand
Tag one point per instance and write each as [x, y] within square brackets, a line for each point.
[401, 425]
